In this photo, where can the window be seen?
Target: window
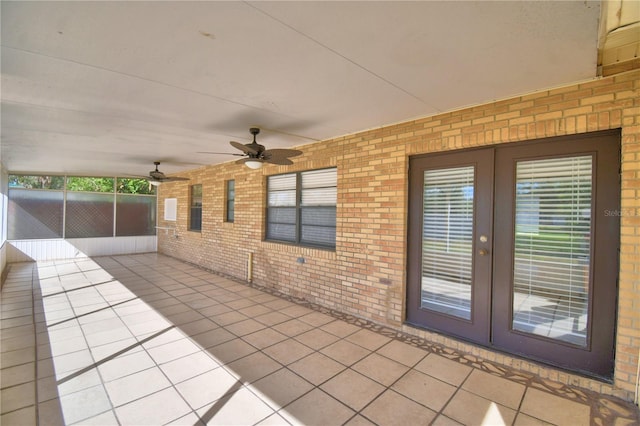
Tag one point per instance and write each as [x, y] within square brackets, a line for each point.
[195, 216]
[301, 208]
[231, 199]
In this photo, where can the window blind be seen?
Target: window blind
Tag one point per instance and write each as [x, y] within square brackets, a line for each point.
[318, 207]
[301, 207]
[447, 240]
[552, 247]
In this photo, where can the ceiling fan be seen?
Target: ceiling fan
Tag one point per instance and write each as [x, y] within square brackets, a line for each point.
[156, 177]
[256, 155]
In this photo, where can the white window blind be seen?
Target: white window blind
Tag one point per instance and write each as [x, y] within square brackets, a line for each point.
[318, 207]
[552, 247]
[319, 188]
[281, 207]
[447, 240]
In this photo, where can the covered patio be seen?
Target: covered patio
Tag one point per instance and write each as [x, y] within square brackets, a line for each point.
[149, 339]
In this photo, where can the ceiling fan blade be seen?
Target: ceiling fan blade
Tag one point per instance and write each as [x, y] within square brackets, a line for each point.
[174, 179]
[159, 177]
[220, 153]
[280, 161]
[244, 148]
[281, 153]
[128, 176]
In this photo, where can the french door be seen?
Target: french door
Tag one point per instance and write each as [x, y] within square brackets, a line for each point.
[515, 247]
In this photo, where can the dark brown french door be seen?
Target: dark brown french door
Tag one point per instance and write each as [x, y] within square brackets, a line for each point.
[450, 223]
[515, 247]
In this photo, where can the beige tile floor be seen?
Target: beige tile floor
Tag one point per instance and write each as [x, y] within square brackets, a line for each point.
[149, 340]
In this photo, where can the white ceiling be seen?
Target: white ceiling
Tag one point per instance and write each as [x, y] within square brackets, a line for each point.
[109, 87]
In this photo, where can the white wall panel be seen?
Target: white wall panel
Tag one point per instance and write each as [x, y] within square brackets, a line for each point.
[29, 250]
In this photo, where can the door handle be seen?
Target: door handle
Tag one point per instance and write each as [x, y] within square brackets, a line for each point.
[483, 252]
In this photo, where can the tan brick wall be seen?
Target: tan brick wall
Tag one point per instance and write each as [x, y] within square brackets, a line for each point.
[366, 274]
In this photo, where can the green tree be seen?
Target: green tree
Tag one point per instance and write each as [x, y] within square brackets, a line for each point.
[36, 182]
[90, 184]
[134, 186]
[83, 184]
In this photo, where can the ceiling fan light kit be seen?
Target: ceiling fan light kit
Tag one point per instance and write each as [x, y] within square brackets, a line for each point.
[254, 163]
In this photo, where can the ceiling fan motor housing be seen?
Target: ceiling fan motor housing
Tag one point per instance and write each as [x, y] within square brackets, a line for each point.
[156, 174]
[255, 145]
[255, 151]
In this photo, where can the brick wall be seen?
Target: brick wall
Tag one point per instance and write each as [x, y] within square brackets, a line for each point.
[366, 274]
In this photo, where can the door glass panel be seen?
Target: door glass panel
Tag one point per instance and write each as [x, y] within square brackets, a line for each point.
[552, 248]
[447, 241]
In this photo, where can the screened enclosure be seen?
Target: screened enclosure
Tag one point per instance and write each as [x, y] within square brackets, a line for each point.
[45, 207]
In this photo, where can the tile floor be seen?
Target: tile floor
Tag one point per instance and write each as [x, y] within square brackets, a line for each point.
[150, 340]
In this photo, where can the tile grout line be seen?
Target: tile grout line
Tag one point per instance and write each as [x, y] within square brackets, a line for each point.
[524, 394]
[78, 288]
[453, 395]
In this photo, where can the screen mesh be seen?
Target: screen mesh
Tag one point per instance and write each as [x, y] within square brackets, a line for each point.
[89, 215]
[34, 214]
[135, 215]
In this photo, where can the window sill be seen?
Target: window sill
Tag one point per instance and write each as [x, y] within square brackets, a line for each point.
[285, 247]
